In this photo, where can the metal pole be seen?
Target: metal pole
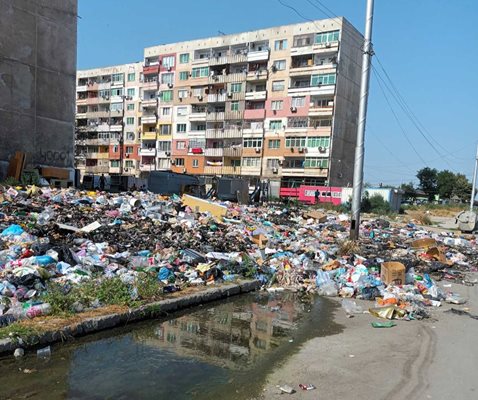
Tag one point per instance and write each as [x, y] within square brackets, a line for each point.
[359, 148]
[473, 189]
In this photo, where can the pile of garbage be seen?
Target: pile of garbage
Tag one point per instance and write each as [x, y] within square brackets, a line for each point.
[67, 237]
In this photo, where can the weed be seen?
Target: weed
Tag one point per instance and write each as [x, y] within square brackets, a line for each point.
[148, 286]
[61, 302]
[114, 291]
[18, 331]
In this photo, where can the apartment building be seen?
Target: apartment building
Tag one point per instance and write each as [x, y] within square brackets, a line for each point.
[279, 104]
[108, 119]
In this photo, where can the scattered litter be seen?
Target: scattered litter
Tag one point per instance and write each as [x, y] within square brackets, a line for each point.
[305, 386]
[44, 353]
[287, 389]
[387, 324]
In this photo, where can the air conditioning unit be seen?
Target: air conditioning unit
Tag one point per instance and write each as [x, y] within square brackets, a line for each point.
[275, 170]
[168, 153]
[301, 149]
[173, 162]
[293, 109]
[274, 68]
[170, 85]
[292, 149]
[322, 149]
[258, 149]
[199, 97]
[274, 112]
[127, 155]
[328, 45]
[281, 163]
[169, 68]
[229, 94]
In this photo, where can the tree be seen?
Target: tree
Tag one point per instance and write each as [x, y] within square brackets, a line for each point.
[462, 187]
[445, 183]
[428, 181]
[408, 191]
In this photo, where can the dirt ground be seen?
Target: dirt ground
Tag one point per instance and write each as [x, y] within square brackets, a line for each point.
[429, 359]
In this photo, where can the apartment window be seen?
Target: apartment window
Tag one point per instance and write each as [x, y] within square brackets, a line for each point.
[201, 72]
[197, 91]
[117, 77]
[320, 123]
[303, 40]
[115, 150]
[322, 103]
[167, 78]
[117, 92]
[180, 128]
[183, 75]
[104, 93]
[294, 163]
[180, 145]
[273, 163]
[165, 111]
[179, 162]
[235, 163]
[295, 142]
[114, 164]
[323, 79]
[130, 121]
[165, 129]
[168, 61]
[197, 143]
[252, 142]
[184, 58]
[274, 143]
[181, 111]
[297, 122]
[129, 164]
[236, 87]
[278, 86]
[129, 150]
[279, 65]
[277, 105]
[234, 106]
[167, 95]
[116, 107]
[130, 107]
[318, 141]
[130, 92]
[327, 37]
[195, 163]
[251, 161]
[316, 162]
[131, 77]
[183, 93]
[164, 146]
[275, 124]
[298, 102]
[280, 44]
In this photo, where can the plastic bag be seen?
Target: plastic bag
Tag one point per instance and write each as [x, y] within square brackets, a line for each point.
[351, 307]
[328, 289]
[322, 278]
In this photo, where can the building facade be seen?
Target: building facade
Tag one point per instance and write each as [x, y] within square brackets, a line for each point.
[108, 119]
[277, 104]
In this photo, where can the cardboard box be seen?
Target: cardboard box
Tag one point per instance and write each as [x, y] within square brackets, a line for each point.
[58, 173]
[200, 205]
[392, 273]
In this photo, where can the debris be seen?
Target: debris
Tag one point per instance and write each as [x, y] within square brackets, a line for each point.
[388, 324]
[393, 273]
[44, 353]
[305, 386]
[287, 389]
[462, 312]
[19, 353]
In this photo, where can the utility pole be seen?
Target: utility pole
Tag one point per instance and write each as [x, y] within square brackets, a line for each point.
[359, 148]
[473, 189]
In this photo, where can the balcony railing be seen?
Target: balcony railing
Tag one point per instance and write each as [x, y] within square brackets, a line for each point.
[147, 152]
[260, 95]
[228, 59]
[215, 116]
[216, 98]
[257, 75]
[258, 55]
[222, 170]
[214, 152]
[97, 169]
[254, 113]
[223, 133]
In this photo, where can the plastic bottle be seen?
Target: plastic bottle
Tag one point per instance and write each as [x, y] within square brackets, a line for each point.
[38, 310]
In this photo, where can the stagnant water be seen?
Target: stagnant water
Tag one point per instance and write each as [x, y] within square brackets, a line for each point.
[223, 350]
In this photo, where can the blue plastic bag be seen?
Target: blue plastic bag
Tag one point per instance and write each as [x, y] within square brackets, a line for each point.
[12, 230]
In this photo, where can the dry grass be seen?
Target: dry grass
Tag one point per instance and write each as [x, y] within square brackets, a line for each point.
[349, 247]
[421, 217]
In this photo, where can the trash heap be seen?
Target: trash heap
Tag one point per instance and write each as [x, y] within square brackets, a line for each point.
[65, 238]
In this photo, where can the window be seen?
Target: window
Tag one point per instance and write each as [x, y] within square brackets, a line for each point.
[278, 86]
[320, 123]
[168, 61]
[180, 128]
[234, 106]
[195, 163]
[318, 141]
[114, 163]
[180, 145]
[129, 150]
[167, 78]
[130, 107]
[130, 121]
[117, 92]
[165, 129]
[279, 65]
[183, 93]
[303, 40]
[273, 163]
[322, 103]
[129, 164]
[235, 163]
[131, 77]
[116, 107]
[115, 150]
[251, 161]
[295, 142]
[294, 163]
[167, 95]
[277, 105]
[179, 162]
[164, 146]
[130, 92]
[327, 37]
[316, 162]
[201, 72]
[182, 111]
[183, 75]
[280, 44]
[117, 77]
[197, 91]
[323, 79]
[274, 143]
[184, 58]
[236, 87]
[104, 93]
[297, 122]
[298, 102]
[165, 111]
[253, 142]
[275, 124]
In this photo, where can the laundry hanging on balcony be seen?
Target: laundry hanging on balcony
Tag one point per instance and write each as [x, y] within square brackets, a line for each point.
[197, 150]
[214, 163]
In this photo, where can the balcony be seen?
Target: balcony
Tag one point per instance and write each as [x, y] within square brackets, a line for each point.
[80, 115]
[197, 116]
[307, 69]
[97, 142]
[94, 100]
[150, 84]
[150, 69]
[320, 130]
[82, 88]
[216, 98]
[232, 151]
[214, 152]
[257, 75]
[233, 115]
[228, 59]
[321, 111]
[236, 77]
[114, 170]
[258, 55]
[98, 156]
[148, 118]
[99, 114]
[215, 116]
[255, 113]
[147, 152]
[256, 95]
[222, 170]
[103, 169]
[101, 86]
[149, 102]
[147, 167]
[314, 48]
[322, 90]
[148, 136]
[116, 127]
[223, 133]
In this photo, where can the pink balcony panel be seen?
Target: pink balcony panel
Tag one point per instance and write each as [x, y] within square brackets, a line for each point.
[254, 114]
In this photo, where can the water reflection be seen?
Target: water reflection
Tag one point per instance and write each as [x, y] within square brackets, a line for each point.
[214, 352]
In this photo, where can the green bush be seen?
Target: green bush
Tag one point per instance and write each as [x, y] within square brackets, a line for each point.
[375, 204]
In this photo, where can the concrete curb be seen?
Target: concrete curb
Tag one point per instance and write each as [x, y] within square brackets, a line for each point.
[147, 311]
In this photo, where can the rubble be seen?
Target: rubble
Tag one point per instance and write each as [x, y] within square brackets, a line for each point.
[100, 248]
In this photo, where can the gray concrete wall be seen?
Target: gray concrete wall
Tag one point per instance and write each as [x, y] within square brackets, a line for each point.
[37, 80]
[347, 100]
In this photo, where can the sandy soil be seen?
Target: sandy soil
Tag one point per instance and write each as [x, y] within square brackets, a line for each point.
[430, 359]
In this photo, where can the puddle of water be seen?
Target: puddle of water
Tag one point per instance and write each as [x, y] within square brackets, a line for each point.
[223, 350]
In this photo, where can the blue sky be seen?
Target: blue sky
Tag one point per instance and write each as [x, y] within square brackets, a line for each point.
[428, 48]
